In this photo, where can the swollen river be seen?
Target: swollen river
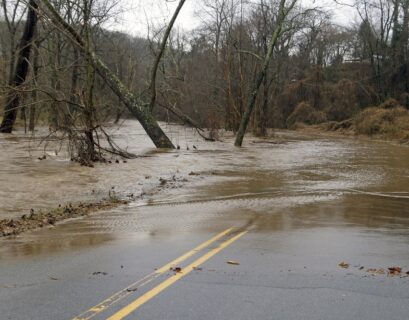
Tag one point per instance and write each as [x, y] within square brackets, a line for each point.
[310, 189]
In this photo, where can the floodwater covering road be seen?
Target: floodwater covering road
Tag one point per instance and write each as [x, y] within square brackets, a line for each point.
[302, 228]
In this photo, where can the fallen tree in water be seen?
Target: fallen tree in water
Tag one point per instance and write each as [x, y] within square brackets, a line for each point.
[133, 103]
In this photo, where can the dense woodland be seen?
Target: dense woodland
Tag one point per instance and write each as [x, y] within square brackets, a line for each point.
[250, 65]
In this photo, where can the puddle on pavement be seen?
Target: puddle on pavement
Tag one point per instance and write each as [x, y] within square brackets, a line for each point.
[301, 188]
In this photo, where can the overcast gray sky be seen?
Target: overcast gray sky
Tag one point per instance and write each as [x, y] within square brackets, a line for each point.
[135, 14]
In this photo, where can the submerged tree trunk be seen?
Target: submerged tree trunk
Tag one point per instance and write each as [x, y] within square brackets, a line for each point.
[134, 105]
[282, 14]
[20, 73]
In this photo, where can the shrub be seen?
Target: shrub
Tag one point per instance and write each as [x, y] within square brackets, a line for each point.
[390, 104]
[304, 113]
[404, 100]
[347, 97]
[390, 123]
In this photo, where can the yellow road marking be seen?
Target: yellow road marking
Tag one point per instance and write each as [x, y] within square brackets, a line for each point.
[193, 251]
[92, 312]
[168, 282]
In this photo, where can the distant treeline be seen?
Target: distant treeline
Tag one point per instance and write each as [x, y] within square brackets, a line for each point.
[319, 71]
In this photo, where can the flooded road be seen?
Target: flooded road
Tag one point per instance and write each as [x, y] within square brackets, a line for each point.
[307, 202]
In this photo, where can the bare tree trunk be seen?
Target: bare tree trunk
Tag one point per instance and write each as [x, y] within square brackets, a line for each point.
[282, 14]
[261, 124]
[89, 110]
[264, 110]
[34, 94]
[133, 104]
[55, 81]
[152, 86]
[32, 112]
[20, 73]
[74, 79]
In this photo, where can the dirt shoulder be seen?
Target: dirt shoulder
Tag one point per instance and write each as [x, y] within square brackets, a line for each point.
[46, 218]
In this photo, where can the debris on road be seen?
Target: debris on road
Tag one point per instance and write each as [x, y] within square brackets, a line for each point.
[99, 273]
[374, 271]
[390, 271]
[176, 269]
[394, 271]
[235, 263]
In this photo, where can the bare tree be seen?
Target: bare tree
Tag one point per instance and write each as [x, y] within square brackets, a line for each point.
[162, 48]
[22, 67]
[283, 12]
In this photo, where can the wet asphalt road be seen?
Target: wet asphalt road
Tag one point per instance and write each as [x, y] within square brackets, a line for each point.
[268, 283]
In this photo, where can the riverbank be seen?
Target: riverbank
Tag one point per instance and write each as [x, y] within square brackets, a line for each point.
[387, 124]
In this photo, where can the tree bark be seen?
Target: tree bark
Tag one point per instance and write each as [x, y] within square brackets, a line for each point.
[20, 73]
[136, 107]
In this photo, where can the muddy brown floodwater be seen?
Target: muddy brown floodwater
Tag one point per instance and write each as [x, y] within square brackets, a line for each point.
[345, 194]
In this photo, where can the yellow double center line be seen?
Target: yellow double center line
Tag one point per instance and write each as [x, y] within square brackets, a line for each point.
[162, 286]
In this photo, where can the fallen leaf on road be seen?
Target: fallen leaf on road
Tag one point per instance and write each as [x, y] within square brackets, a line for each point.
[235, 263]
[176, 269]
[344, 265]
[375, 271]
[394, 270]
